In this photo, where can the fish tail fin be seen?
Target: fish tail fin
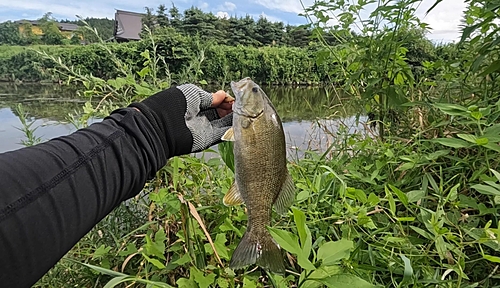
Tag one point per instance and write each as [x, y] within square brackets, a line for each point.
[262, 251]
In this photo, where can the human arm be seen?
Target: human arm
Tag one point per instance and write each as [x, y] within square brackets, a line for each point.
[53, 193]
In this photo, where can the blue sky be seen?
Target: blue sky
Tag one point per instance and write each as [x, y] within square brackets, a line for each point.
[444, 20]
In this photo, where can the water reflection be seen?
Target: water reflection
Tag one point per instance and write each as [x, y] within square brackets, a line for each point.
[311, 116]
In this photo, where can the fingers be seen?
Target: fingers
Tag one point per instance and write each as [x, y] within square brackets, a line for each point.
[226, 106]
[218, 97]
[223, 112]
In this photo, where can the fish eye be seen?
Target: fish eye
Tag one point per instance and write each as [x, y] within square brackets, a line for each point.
[254, 90]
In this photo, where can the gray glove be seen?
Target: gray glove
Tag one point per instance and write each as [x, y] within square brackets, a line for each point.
[203, 120]
[184, 119]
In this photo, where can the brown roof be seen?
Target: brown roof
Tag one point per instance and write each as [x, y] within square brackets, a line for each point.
[62, 26]
[129, 25]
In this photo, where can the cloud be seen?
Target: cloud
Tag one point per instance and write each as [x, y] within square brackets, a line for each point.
[229, 6]
[13, 10]
[222, 14]
[270, 18]
[292, 6]
[444, 19]
[203, 5]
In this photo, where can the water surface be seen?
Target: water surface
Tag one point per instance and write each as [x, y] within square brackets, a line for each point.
[311, 116]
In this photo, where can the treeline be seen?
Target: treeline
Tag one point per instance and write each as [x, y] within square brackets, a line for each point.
[231, 30]
[193, 22]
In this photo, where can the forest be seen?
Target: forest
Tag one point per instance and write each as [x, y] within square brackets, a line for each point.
[413, 202]
[192, 22]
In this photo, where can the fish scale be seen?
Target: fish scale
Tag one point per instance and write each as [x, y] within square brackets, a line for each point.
[261, 176]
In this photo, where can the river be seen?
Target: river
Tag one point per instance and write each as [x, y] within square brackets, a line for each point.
[312, 117]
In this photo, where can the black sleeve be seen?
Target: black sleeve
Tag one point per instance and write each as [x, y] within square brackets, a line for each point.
[53, 193]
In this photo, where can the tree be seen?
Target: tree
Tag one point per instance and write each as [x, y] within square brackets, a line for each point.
[27, 35]
[51, 33]
[175, 17]
[196, 22]
[75, 39]
[148, 21]
[267, 32]
[299, 36]
[9, 34]
[161, 16]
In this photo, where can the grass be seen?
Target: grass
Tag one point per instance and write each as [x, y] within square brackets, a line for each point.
[418, 205]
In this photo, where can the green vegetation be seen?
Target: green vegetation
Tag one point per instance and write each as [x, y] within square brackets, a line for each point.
[416, 204]
[269, 52]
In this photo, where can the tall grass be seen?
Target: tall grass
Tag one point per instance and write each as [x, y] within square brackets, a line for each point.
[415, 205]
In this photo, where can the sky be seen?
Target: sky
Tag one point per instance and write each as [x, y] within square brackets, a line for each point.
[444, 19]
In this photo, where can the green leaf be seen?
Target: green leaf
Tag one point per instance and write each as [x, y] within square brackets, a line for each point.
[144, 71]
[497, 175]
[486, 190]
[373, 199]
[101, 251]
[286, 240]
[452, 109]
[202, 280]
[408, 272]
[414, 196]
[402, 196]
[452, 196]
[490, 258]
[115, 281]
[187, 283]
[103, 270]
[303, 230]
[452, 142]
[346, 280]
[247, 283]
[433, 6]
[482, 141]
[494, 67]
[392, 203]
[220, 245]
[492, 146]
[153, 261]
[331, 252]
[422, 232]
[468, 137]
[304, 263]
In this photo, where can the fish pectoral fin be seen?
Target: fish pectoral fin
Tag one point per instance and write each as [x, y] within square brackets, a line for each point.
[286, 196]
[228, 135]
[233, 196]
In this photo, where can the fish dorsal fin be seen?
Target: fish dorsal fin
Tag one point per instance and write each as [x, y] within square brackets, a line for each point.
[233, 196]
[229, 135]
[286, 196]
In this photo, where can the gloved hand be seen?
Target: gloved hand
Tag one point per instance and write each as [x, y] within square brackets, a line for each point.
[190, 118]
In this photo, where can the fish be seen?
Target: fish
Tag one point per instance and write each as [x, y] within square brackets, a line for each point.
[262, 179]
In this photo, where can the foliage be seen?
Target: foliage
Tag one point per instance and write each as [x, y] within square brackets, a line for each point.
[9, 33]
[415, 205]
[104, 27]
[232, 31]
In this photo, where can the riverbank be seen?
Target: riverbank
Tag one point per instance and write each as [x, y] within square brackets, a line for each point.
[267, 65]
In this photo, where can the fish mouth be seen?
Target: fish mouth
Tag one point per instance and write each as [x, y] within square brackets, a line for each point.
[240, 86]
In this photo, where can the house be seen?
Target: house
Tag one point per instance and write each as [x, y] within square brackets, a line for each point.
[128, 25]
[67, 29]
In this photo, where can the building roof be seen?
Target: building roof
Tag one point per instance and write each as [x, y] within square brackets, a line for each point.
[62, 26]
[129, 25]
